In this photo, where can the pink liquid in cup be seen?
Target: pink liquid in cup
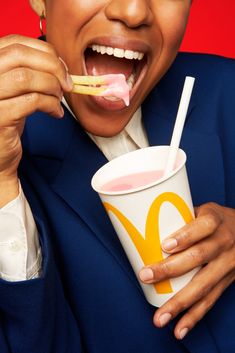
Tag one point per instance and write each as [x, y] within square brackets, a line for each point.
[133, 181]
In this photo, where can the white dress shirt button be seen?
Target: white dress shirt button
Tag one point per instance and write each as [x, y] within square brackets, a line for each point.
[20, 255]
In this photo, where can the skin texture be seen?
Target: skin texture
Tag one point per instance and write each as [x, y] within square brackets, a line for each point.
[34, 78]
[142, 22]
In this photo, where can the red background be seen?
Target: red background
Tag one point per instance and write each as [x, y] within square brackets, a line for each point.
[211, 26]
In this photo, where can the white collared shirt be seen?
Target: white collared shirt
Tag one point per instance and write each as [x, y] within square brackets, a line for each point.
[130, 139]
[20, 253]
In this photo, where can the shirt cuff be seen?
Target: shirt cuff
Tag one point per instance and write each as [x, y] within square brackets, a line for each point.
[20, 253]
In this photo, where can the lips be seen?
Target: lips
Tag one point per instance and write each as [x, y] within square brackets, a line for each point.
[104, 58]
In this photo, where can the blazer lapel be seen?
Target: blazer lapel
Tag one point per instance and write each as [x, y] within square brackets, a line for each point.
[73, 184]
[203, 148]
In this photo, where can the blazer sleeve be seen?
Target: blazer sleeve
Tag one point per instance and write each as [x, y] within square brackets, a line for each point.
[34, 314]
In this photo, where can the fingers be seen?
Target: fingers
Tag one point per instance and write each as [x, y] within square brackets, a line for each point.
[30, 68]
[199, 295]
[27, 41]
[207, 221]
[22, 80]
[209, 240]
[32, 77]
[196, 312]
[199, 310]
[17, 108]
[39, 57]
[179, 264]
[12, 117]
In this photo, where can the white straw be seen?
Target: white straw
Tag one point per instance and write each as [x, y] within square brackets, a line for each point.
[179, 124]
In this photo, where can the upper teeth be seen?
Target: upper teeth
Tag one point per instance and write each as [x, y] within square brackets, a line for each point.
[117, 52]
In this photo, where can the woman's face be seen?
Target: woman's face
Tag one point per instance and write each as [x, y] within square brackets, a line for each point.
[141, 36]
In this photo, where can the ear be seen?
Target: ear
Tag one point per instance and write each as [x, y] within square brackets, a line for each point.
[38, 6]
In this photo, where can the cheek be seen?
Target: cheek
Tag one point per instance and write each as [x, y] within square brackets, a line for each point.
[173, 21]
[69, 14]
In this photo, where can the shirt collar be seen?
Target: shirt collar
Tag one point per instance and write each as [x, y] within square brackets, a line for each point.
[129, 139]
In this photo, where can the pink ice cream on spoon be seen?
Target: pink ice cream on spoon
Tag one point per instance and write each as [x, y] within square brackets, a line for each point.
[116, 87]
[111, 85]
[121, 60]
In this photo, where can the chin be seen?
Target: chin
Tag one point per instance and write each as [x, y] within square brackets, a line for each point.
[104, 127]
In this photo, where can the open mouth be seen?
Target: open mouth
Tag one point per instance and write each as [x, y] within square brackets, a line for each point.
[103, 60]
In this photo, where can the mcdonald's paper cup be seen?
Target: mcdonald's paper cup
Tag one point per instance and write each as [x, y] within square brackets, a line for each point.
[145, 207]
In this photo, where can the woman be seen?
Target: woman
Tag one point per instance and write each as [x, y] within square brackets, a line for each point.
[85, 297]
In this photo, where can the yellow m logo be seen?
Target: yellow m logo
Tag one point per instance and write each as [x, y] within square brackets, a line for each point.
[149, 247]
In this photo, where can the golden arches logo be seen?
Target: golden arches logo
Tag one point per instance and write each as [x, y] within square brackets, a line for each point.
[149, 248]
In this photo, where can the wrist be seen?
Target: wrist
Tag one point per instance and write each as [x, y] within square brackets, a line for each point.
[9, 189]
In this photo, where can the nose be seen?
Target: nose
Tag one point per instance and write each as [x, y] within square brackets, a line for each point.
[133, 13]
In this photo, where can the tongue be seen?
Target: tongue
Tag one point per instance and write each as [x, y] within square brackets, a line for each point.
[98, 64]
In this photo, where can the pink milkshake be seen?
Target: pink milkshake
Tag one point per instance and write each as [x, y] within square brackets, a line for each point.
[133, 181]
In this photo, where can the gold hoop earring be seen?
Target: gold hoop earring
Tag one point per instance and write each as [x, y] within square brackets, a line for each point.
[42, 18]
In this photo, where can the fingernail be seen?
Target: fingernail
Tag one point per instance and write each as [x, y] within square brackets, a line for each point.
[169, 244]
[146, 274]
[164, 319]
[183, 332]
[66, 67]
[61, 112]
[69, 81]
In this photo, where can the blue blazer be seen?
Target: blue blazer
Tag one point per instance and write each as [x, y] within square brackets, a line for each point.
[88, 298]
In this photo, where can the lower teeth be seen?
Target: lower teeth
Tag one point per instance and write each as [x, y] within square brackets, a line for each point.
[130, 81]
[112, 99]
